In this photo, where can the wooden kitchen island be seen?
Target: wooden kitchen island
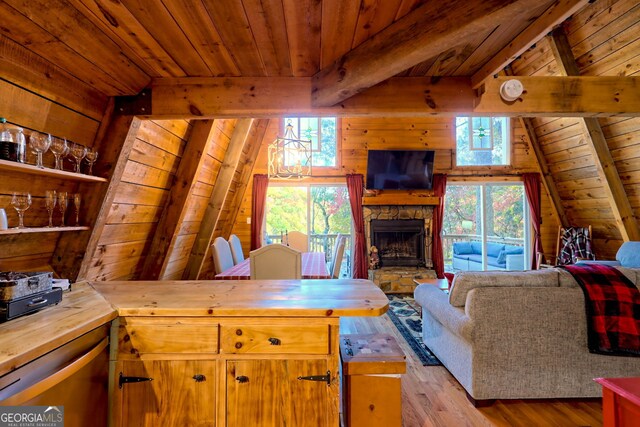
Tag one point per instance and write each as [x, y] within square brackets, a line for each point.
[229, 353]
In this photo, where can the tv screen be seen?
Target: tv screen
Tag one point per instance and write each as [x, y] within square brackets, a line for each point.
[399, 169]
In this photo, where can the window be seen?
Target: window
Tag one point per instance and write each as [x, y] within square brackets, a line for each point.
[321, 212]
[482, 141]
[322, 131]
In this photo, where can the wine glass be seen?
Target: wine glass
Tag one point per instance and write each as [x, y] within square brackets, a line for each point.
[39, 145]
[76, 202]
[50, 199]
[59, 148]
[92, 156]
[62, 205]
[21, 202]
[78, 152]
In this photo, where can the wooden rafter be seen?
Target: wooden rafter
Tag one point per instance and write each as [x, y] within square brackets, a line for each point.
[180, 193]
[557, 13]
[73, 255]
[597, 143]
[246, 172]
[271, 97]
[421, 34]
[218, 195]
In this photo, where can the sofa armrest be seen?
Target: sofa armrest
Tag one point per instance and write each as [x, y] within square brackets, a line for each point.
[515, 262]
[436, 302]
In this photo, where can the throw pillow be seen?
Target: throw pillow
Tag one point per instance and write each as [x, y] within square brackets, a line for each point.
[502, 257]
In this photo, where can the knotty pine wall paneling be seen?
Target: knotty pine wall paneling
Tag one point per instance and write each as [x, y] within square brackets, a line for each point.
[41, 109]
[139, 200]
[357, 135]
[197, 203]
[605, 41]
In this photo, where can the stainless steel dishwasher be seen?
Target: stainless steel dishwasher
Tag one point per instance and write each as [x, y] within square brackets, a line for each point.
[74, 376]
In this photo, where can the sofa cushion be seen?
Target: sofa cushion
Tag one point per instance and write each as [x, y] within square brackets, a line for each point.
[476, 247]
[629, 254]
[494, 249]
[465, 281]
[495, 262]
[460, 248]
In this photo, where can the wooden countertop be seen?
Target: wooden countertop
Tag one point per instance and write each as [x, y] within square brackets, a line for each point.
[29, 337]
[248, 298]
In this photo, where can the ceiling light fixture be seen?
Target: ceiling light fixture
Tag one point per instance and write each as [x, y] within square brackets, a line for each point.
[289, 156]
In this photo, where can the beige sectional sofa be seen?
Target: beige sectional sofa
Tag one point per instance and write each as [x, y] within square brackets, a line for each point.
[517, 335]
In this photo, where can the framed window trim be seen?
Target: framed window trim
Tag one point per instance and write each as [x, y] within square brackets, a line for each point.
[509, 133]
[320, 170]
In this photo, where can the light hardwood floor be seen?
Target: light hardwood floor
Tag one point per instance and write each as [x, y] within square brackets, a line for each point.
[432, 397]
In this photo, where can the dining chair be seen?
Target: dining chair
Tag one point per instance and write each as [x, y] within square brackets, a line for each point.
[221, 252]
[236, 249]
[335, 271]
[275, 261]
[298, 241]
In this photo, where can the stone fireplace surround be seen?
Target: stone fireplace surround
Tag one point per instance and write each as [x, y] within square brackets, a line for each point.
[399, 279]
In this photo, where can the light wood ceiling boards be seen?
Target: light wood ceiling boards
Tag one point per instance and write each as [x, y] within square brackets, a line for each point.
[119, 47]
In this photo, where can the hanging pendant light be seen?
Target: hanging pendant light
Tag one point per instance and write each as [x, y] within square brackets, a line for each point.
[289, 156]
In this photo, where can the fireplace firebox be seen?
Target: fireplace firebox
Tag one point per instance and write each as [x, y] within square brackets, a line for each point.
[400, 242]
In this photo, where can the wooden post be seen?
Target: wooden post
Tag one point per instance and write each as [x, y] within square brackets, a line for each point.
[597, 143]
[220, 191]
[179, 195]
[246, 172]
[74, 252]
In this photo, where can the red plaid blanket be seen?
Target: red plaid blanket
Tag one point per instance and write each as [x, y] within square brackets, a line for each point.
[613, 309]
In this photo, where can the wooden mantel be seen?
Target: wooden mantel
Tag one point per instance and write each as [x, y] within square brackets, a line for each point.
[400, 197]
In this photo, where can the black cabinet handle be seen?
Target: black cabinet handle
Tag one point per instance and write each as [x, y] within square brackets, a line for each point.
[199, 378]
[125, 380]
[242, 379]
[274, 341]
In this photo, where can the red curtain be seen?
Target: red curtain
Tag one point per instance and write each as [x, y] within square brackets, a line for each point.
[355, 185]
[439, 189]
[532, 190]
[260, 185]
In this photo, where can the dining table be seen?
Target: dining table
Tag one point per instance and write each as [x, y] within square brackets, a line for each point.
[314, 266]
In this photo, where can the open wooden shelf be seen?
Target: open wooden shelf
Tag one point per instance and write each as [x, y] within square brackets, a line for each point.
[33, 170]
[41, 230]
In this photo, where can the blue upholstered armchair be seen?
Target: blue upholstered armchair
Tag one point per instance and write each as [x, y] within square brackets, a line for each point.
[627, 256]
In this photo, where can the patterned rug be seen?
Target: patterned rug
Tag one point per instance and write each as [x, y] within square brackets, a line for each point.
[406, 314]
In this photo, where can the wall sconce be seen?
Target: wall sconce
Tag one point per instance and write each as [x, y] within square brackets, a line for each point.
[511, 90]
[289, 156]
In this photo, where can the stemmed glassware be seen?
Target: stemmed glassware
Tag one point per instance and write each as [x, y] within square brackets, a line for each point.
[76, 202]
[21, 202]
[50, 199]
[78, 152]
[59, 148]
[62, 205]
[92, 156]
[40, 143]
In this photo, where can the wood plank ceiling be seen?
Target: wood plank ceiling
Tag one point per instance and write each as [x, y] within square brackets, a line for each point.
[118, 47]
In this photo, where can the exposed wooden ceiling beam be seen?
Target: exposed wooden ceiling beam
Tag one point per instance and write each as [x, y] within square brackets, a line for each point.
[270, 97]
[597, 143]
[557, 13]
[180, 193]
[423, 33]
[216, 201]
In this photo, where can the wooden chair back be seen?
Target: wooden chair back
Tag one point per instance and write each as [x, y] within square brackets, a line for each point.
[298, 241]
[275, 262]
[335, 271]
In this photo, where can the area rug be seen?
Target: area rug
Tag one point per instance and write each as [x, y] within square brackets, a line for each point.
[406, 314]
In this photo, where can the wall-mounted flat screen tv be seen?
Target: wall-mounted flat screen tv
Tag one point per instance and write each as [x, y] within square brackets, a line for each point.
[399, 169]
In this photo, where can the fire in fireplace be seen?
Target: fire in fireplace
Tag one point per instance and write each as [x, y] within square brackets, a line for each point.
[400, 242]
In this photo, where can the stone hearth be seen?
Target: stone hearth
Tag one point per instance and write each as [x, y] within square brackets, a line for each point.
[396, 280]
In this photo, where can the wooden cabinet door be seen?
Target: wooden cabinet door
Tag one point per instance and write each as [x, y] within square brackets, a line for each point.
[268, 393]
[182, 393]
